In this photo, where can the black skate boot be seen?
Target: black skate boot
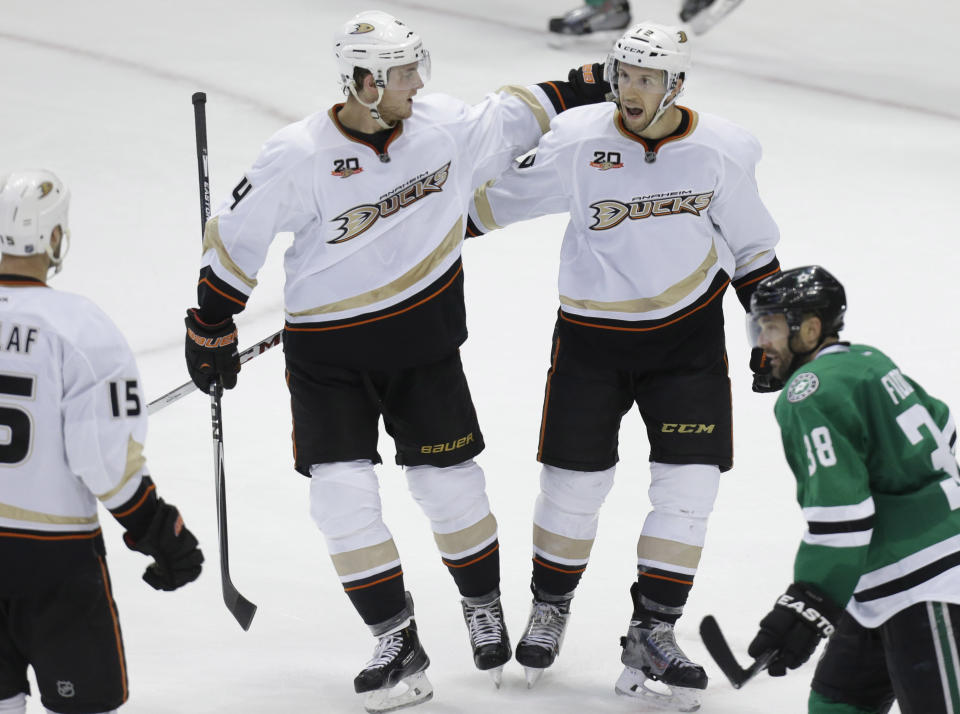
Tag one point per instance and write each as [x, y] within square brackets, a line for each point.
[610, 16]
[398, 658]
[541, 641]
[650, 652]
[488, 634]
[701, 15]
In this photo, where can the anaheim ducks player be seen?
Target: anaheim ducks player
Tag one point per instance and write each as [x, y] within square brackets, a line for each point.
[375, 191]
[74, 423]
[664, 214]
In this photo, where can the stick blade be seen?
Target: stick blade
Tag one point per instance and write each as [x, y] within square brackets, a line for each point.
[241, 608]
[718, 648]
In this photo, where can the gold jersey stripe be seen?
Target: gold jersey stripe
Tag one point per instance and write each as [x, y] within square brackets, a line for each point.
[560, 546]
[212, 240]
[417, 273]
[468, 538]
[26, 515]
[530, 99]
[484, 209]
[668, 551]
[671, 296]
[755, 258]
[135, 463]
[364, 559]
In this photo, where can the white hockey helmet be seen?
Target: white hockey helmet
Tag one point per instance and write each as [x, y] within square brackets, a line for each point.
[648, 44]
[375, 41]
[33, 203]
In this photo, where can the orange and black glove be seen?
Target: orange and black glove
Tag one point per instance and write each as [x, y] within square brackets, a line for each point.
[211, 352]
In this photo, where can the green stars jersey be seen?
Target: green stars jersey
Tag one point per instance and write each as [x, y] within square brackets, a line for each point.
[877, 478]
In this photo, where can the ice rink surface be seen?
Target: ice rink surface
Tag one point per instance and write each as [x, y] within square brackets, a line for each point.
[857, 106]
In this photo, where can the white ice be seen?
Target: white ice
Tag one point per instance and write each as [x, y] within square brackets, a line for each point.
[857, 106]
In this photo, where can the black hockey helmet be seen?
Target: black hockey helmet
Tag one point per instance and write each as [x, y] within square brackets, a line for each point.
[798, 292]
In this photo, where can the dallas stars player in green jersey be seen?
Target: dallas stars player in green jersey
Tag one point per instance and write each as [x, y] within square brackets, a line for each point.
[878, 570]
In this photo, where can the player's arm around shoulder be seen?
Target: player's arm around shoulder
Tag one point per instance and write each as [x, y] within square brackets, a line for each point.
[538, 183]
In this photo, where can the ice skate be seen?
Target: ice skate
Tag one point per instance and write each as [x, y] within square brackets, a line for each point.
[701, 15]
[395, 677]
[656, 670]
[541, 641]
[601, 23]
[488, 635]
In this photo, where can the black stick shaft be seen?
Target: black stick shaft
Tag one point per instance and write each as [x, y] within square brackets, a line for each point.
[203, 167]
[241, 608]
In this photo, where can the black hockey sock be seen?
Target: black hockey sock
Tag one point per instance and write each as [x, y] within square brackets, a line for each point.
[555, 579]
[377, 597]
[478, 573]
[660, 594]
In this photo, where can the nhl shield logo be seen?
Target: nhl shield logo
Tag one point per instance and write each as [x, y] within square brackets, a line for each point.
[802, 386]
[65, 688]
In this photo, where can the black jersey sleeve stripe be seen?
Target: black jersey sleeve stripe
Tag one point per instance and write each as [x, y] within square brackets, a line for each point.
[747, 284]
[137, 512]
[218, 300]
[828, 527]
[910, 580]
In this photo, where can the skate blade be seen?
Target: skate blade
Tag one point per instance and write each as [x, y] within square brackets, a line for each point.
[635, 684]
[409, 692]
[533, 675]
[602, 39]
[496, 674]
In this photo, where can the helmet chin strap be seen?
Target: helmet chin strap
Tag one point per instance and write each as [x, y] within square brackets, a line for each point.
[372, 106]
[800, 357]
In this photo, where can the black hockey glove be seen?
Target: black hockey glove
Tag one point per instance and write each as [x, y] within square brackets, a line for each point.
[588, 83]
[176, 557]
[211, 352]
[794, 628]
[763, 379]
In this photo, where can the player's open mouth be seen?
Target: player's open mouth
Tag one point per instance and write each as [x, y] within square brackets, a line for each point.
[632, 112]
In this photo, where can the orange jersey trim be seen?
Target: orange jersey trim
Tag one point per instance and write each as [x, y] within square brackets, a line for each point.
[559, 570]
[375, 582]
[139, 503]
[220, 292]
[29, 536]
[664, 577]
[475, 560]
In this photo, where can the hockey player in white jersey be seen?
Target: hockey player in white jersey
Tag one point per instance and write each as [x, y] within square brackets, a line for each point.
[375, 191]
[74, 425]
[664, 215]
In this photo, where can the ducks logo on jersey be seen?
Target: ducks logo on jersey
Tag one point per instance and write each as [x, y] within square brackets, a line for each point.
[360, 218]
[611, 213]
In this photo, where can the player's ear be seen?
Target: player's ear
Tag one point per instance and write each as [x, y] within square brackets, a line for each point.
[811, 330]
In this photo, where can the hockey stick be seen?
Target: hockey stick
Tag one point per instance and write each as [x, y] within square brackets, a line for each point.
[241, 608]
[184, 389]
[718, 648]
